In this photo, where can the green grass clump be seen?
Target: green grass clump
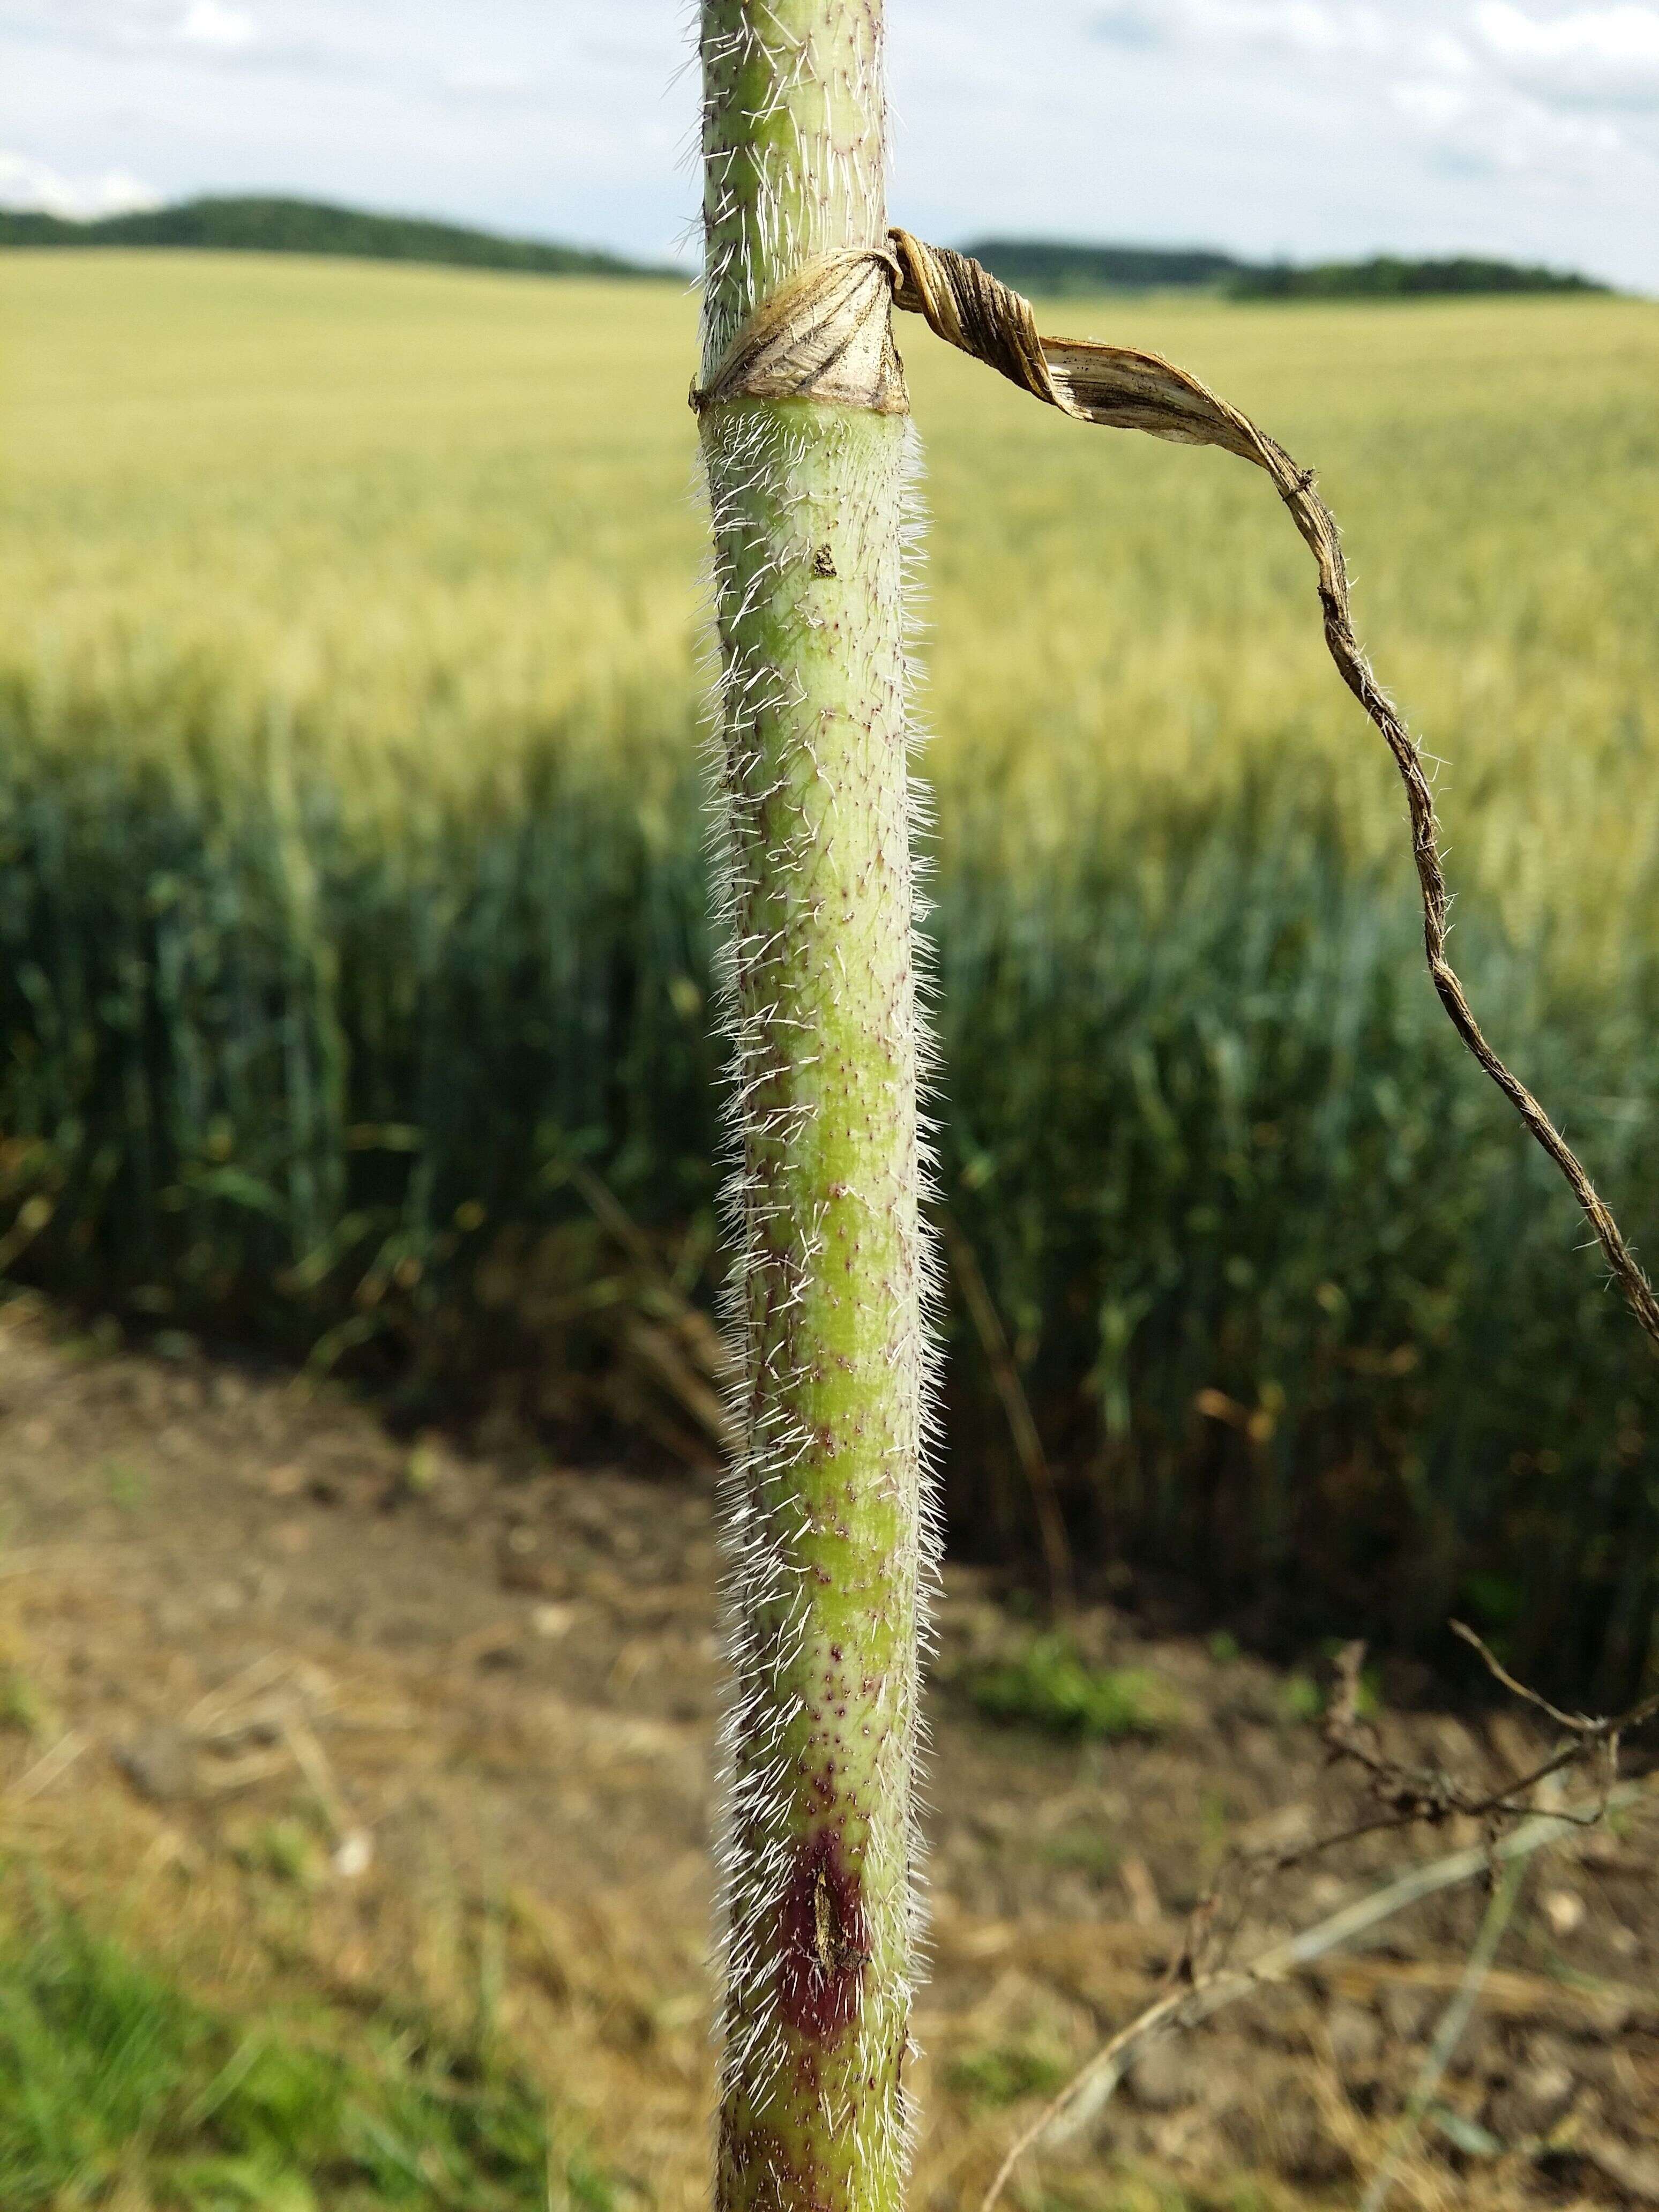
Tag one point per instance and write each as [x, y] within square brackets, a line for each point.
[115, 2083]
[352, 885]
[1004, 2072]
[1047, 1684]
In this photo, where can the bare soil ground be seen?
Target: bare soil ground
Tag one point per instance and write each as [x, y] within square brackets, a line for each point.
[302, 1708]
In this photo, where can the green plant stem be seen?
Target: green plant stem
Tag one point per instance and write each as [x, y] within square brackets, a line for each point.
[823, 1520]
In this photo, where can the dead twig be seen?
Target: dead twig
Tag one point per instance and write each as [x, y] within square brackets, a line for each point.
[1017, 1409]
[354, 1847]
[1513, 1994]
[1518, 1689]
[1411, 1796]
[688, 1355]
[1121, 389]
[47, 1768]
[1191, 2001]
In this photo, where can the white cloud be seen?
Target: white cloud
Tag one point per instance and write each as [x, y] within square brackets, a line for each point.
[1315, 128]
[130, 26]
[1606, 47]
[489, 81]
[38, 189]
[1599, 55]
[1297, 27]
[1431, 102]
[1610, 35]
[1134, 24]
[1306, 26]
[210, 23]
[1445, 55]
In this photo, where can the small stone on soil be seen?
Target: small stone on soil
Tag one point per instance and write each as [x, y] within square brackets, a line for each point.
[1356, 2036]
[161, 1763]
[1565, 1910]
[1532, 2104]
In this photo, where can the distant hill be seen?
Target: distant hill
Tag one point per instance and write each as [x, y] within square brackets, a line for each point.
[1051, 267]
[290, 226]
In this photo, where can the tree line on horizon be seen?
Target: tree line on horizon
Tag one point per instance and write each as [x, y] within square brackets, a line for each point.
[275, 224]
[1056, 267]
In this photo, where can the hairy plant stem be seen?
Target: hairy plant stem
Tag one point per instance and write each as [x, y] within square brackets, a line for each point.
[825, 1553]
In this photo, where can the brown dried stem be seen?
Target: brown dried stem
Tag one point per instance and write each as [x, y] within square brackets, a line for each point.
[1412, 1796]
[1016, 1406]
[1189, 2001]
[1121, 389]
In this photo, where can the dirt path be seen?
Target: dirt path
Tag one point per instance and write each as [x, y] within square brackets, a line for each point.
[311, 1709]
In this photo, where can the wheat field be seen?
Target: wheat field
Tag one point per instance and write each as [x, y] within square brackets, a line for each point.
[351, 699]
[420, 518]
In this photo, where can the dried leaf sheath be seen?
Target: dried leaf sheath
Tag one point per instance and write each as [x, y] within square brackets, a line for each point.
[825, 331]
[1122, 389]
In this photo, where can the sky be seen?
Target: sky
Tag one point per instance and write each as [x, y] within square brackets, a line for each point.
[1314, 129]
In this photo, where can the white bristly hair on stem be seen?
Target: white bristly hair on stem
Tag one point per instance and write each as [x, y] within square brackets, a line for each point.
[829, 1544]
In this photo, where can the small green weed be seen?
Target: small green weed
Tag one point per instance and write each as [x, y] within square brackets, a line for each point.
[287, 1850]
[1301, 1700]
[114, 2081]
[128, 1487]
[1084, 1849]
[1048, 1685]
[1006, 2073]
[22, 1706]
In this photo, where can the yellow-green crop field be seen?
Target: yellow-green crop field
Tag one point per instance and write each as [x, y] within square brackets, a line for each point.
[349, 703]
